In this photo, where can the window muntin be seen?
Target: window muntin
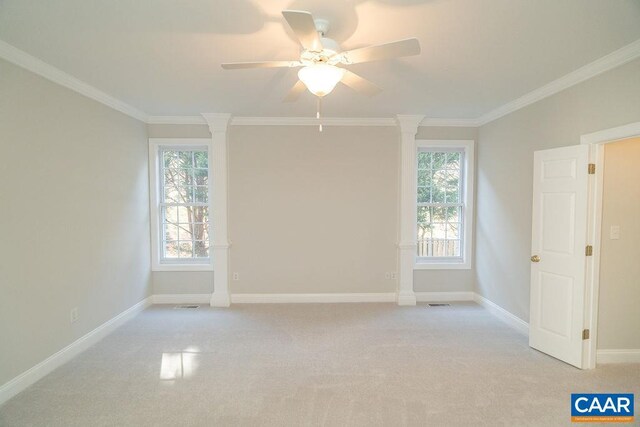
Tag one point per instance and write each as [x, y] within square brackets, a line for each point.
[440, 204]
[184, 204]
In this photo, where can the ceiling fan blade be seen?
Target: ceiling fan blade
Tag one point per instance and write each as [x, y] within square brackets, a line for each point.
[360, 84]
[305, 29]
[295, 92]
[265, 64]
[395, 49]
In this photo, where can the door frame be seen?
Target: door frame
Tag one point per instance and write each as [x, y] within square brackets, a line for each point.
[596, 142]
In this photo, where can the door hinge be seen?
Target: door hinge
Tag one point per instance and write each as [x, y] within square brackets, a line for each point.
[585, 334]
[592, 168]
[588, 251]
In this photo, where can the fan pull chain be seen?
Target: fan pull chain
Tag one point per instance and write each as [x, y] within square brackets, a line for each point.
[318, 112]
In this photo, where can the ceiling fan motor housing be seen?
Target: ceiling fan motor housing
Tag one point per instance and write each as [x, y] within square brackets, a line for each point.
[326, 56]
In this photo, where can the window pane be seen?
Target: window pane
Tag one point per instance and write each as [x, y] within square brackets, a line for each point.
[201, 159]
[455, 248]
[170, 159]
[424, 178]
[439, 161]
[170, 249]
[178, 193]
[438, 214]
[453, 214]
[201, 194]
[424, 214]
[185, 249]
[198, 231]
[424, 231]
[438, 230]
[170, 232]
[185, 176]
[183, 194]
[453, 230]
[170, 214]
[186, 159]
[201, 249]
[439, 186]
[453, 160]
[201, 213]
[423, 195]
[200, 176]
[185, 214]
[452, 187]
[172, 194]
[170, 177]
[424, 160]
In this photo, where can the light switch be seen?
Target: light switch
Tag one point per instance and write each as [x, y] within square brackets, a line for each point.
[614, 232]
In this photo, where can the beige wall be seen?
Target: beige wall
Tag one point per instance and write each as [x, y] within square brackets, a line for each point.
[182, 282]
[619, 312]
[313, 212]
[75, 218]
[505, 173]
[178, 131]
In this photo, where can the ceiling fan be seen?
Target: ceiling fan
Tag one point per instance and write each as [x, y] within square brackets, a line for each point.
[321, 59]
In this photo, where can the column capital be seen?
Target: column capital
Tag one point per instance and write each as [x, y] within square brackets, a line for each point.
[409, 123]
[217, 122]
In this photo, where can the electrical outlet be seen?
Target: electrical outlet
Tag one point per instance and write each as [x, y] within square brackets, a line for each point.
[73, 315]
[394, 275]
[236, 276]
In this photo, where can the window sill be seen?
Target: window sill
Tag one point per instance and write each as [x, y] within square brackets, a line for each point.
[182, 267]
[442, 266]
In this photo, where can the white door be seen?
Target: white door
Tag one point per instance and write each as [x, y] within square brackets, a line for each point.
[560, 181]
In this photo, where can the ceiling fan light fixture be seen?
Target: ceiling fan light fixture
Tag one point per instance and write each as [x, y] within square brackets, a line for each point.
[320, 79]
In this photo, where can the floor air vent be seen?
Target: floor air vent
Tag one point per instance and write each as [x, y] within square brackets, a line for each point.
[186, 306]
[439, 304]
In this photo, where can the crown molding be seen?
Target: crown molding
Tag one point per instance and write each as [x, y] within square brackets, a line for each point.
[608, 62]
[49, 72]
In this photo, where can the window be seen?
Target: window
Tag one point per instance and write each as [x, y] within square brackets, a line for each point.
[443, 208]
[181, 204]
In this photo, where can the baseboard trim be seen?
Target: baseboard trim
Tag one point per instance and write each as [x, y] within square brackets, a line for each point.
[502, 314]
[618, 356]
[312, 298]
[181, 298]
[32, 375]
[444, 296]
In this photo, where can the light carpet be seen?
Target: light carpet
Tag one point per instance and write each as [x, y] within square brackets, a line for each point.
[313, 364]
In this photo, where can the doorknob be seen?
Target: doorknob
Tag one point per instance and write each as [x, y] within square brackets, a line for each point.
[535, 258]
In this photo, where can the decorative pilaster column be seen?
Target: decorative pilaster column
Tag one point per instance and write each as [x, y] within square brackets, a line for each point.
[407, 246]
[218, 124]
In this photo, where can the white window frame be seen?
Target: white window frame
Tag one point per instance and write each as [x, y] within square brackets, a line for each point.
[467, 176]
[155, 145]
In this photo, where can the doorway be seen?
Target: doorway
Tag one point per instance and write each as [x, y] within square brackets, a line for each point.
[599, 229]
[619, 296]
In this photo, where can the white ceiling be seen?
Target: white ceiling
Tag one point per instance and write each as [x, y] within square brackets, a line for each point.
[163, 56]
